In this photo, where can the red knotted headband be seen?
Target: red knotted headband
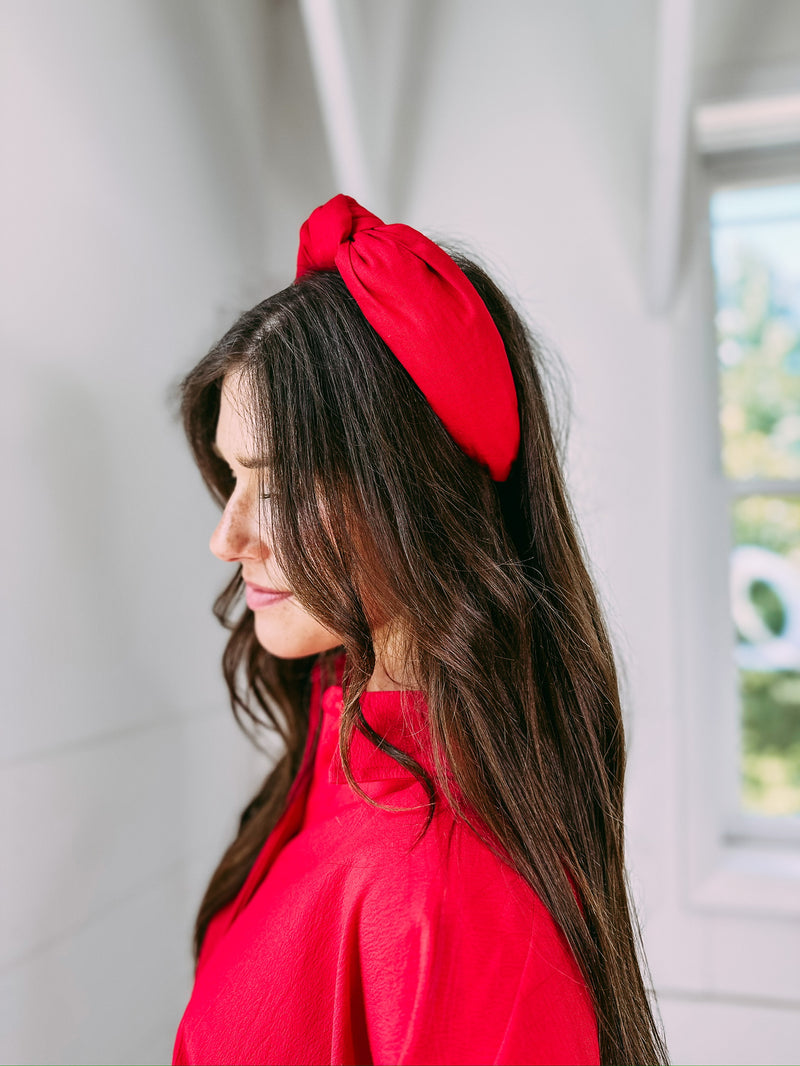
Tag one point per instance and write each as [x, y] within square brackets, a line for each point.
[424, 307]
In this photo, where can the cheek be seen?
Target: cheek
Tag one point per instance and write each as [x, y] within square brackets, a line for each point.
[288, 631]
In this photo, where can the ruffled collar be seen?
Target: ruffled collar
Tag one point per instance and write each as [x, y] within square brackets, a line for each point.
[400, 716]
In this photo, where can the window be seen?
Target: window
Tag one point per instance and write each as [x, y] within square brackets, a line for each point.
[755, 246]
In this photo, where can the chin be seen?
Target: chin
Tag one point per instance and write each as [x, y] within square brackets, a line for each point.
[287, 641]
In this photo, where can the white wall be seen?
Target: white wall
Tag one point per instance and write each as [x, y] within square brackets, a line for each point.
[152, 183]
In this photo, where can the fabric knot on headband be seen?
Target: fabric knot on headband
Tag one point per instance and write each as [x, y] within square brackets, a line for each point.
[427, 311]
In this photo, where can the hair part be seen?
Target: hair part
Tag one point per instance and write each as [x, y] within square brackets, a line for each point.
[376, 514]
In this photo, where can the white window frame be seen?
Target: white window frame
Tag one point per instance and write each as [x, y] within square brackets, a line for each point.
[736, 862]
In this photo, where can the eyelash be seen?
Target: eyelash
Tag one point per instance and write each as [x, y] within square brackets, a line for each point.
[261, 495]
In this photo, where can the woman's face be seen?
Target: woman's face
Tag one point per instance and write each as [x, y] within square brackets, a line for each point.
[282, 625]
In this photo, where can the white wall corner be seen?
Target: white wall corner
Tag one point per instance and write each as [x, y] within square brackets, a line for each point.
[333, 68]
[668, 153]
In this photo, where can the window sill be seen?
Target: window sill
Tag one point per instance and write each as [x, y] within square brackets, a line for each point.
[752, 877]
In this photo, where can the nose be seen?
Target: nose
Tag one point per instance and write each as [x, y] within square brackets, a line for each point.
[236, 536]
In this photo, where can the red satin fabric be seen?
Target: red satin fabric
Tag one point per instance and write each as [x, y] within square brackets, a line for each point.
[352, 943]
[422, 304]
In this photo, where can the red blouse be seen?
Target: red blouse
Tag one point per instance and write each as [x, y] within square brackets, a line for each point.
[353, 942]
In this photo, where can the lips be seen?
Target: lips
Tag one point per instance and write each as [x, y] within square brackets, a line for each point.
[259, 597]
[264, 588]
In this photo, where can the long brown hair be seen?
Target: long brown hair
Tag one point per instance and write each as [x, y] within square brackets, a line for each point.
[375, 511]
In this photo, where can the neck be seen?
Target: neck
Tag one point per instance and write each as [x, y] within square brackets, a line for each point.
[392, 666]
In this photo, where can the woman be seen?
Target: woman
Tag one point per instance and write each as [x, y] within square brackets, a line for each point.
[433, 871]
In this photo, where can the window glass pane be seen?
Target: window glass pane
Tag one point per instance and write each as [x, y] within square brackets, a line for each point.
[765, 599]
[755, 244]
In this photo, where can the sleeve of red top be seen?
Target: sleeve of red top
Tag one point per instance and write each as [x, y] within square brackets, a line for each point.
[465, 965]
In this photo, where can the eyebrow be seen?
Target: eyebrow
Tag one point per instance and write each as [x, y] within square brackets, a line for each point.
[249, 462]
